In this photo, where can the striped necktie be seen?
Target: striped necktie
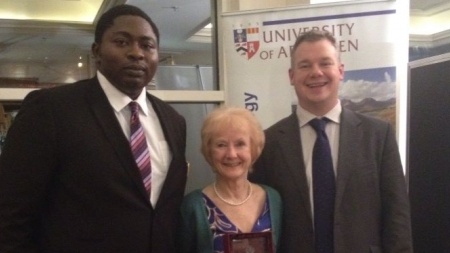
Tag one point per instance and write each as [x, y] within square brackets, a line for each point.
[139, 146]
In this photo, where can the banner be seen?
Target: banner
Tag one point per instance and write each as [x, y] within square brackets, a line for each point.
[256, 51]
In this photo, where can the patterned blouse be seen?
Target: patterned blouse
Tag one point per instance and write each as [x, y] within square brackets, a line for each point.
[220, 224]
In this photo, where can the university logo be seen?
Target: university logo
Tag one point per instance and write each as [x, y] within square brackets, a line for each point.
[246, 41]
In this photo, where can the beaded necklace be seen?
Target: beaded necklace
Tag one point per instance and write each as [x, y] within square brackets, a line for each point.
[250, 193]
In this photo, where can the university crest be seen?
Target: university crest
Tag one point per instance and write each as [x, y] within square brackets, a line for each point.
[246, 41]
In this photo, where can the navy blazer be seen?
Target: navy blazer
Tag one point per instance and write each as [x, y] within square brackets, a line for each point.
[69, 182]
[372, 207]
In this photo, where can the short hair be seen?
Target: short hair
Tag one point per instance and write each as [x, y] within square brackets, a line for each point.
[225, 118]
[313, 36]
[107, 19]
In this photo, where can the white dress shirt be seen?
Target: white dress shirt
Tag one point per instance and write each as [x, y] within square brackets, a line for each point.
[160, 154]
[308, 137]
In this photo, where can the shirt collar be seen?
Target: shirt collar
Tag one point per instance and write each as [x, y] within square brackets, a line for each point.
[333, 115]
[119, 100]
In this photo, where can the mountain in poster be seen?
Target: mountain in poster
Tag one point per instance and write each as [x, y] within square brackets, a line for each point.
[371, 91]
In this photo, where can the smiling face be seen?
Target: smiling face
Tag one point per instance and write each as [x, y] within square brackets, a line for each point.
[230, 153]
[127, 54]
[316, 73]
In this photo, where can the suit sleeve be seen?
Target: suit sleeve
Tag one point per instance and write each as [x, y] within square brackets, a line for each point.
[258, 174]
[26, 166]
[396, 229]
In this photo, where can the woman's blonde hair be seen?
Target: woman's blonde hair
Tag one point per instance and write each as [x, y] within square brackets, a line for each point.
[226, 118]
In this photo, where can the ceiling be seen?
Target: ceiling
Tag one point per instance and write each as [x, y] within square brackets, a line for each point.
[51, 50]
[425, 4]
[430, 21]
[57, 46]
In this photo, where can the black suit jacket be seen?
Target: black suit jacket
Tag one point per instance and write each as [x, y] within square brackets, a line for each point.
[69, 182]
[371, 208]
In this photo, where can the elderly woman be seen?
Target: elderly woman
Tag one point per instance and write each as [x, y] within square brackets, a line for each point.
[232, 139]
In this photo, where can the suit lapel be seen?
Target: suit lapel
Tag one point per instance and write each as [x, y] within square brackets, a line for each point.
[290, 145]
[168, 129]
[164, 120]
[350, 135]
[105, 117]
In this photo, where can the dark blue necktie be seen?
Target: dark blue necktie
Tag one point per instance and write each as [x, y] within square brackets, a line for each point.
[324, 188]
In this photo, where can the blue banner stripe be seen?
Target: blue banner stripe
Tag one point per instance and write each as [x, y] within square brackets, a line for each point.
[350, 15]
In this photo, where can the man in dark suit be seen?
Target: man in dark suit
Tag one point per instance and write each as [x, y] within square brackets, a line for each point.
[68, 179]
[370, 209]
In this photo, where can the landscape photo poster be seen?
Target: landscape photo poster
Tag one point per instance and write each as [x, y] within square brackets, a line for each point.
[371, 91]
[256, 56]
